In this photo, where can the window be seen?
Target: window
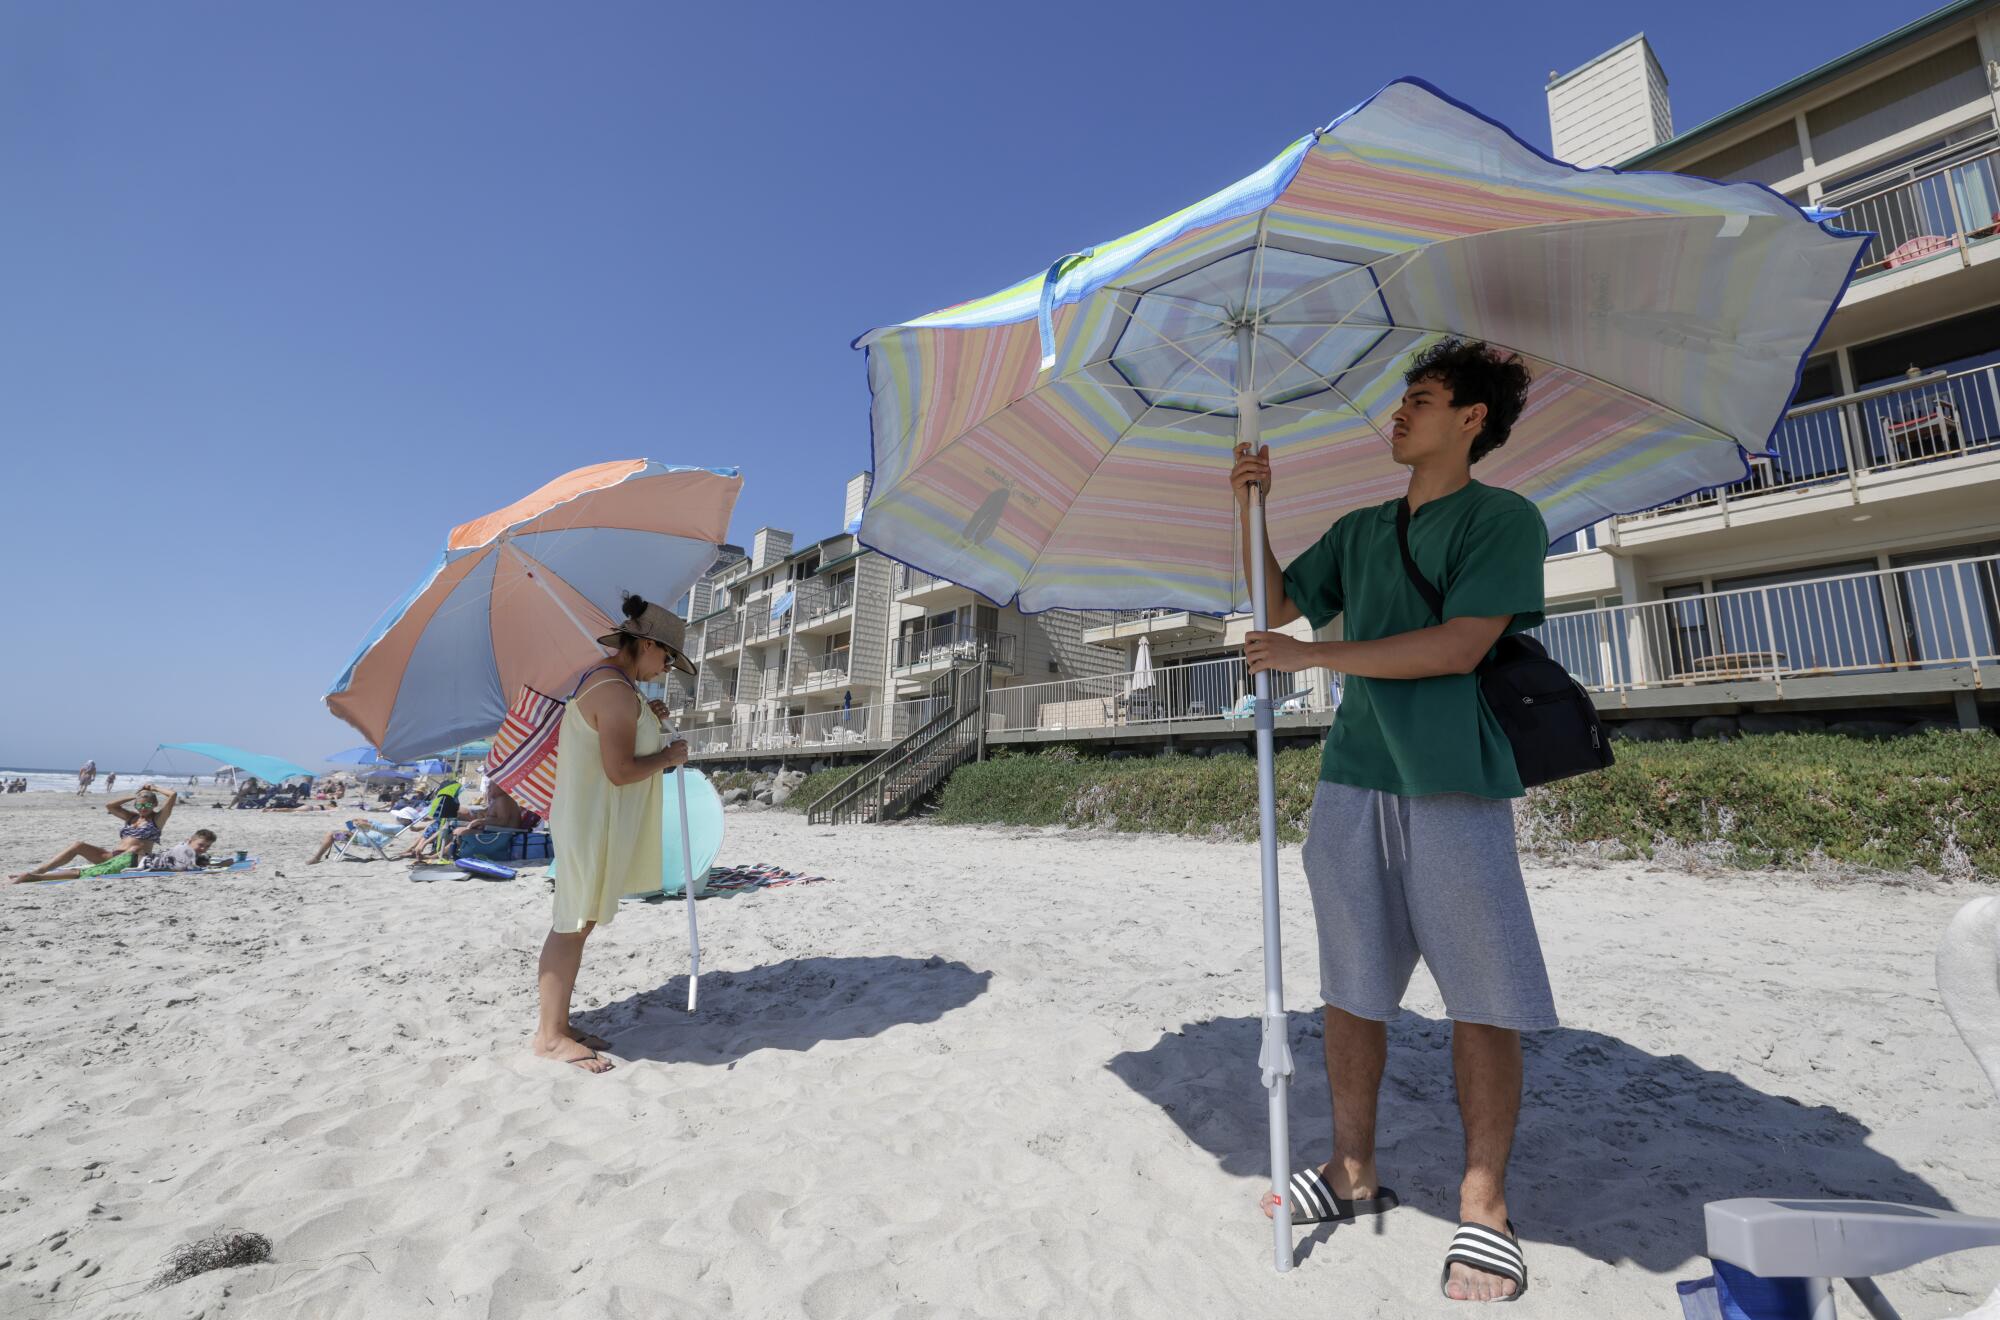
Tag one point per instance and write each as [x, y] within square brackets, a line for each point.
[1950, 612]
[1931, 87]
[1810, 623]
[1957, 344]
[1583, 538]
[1819, 380]
[1688, 638]
[1571, 637]
[1957, 145]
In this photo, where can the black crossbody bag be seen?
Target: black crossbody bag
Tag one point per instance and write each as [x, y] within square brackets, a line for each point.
[1546, 714]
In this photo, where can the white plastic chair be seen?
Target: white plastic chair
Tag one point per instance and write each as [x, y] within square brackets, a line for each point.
[1820, 1240]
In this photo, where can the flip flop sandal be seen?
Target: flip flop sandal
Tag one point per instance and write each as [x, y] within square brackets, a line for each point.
[1482, 1249]
[1313, 1202]
[592, 1042]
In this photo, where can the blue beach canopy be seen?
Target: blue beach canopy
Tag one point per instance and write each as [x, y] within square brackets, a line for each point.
[271, 769]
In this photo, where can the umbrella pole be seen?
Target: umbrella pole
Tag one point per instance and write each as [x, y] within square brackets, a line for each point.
[687, 888]
[1274, 1058]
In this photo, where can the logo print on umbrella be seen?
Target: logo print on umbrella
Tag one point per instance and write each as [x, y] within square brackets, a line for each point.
[986, 519]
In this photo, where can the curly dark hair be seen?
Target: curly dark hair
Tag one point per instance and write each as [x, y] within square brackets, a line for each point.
[1475, 373]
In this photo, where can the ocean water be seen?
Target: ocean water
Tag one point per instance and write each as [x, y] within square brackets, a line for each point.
[64, 781]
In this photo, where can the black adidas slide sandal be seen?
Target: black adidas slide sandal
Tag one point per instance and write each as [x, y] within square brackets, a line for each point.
[1490, 1253]
[1313, 1202]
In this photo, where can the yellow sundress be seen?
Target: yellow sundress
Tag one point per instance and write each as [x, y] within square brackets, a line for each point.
[606, 835]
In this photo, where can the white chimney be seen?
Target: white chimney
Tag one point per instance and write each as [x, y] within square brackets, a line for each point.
[769, 546]
[1612, 108]
[857, 498]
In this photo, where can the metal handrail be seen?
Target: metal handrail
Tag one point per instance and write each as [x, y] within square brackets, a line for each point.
[1923, 216]
[868, 786]
[1836, 440]
[1206, 690]
[958, 690]
[954, 642]
[1923, 616]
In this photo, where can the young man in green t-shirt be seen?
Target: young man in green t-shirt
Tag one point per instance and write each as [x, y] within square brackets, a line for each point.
[1411, 848]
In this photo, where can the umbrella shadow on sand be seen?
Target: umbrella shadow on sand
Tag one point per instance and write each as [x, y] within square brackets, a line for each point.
[792, 1005]
[1616, 1153]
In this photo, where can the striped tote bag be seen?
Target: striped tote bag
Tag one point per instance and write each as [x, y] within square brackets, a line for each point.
[523, 757]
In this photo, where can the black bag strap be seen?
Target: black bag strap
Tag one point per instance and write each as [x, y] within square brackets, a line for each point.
[1432, 596]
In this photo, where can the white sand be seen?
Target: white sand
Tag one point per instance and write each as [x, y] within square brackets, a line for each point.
[984, 1073]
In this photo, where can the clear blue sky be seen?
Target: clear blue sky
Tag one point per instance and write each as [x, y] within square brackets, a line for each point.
[287, 290]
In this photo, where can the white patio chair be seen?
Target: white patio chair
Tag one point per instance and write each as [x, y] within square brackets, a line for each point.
[1824, 1240]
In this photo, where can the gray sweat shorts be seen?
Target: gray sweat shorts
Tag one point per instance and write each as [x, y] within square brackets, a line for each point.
[1395, 878]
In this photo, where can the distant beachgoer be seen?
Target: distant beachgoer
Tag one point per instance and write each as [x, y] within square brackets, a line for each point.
[145, 814]
[84, 776]
[607, 818]
[111, 781]
[371, 833]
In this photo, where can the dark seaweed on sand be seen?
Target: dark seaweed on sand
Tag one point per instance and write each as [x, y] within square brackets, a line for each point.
[219, 1251]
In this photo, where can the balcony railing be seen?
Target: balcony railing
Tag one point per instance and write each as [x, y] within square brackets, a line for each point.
[951, 642]
[915, 579]
[721, 635]
[1930, 616]
[818, 600]
[1205, 690]
[1931, 214]
[827, 668]
[763, 624]
[1889, 428]
[853, 727]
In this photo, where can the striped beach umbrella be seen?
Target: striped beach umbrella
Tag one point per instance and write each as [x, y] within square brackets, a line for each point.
[520, 596]
[1067, 441]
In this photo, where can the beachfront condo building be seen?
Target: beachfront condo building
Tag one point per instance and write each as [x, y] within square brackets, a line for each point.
[1853, 574]
[833, 649]
[1852, 577]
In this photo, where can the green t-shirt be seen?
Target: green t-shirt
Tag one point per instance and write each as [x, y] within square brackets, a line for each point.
[1482, 547]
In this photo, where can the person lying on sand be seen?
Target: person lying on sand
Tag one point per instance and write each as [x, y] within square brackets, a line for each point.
[189, 856]
[145, 814]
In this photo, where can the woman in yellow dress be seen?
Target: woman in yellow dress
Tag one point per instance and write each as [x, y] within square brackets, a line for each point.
[606, 816]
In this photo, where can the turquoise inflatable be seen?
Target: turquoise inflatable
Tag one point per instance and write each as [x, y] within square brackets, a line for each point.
[704, 831]
[704, 818]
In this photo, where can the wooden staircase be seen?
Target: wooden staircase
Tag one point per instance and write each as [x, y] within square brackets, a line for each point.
[899, 779]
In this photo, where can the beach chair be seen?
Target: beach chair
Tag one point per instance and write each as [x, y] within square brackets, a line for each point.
[1798, 1246]
[354, 848]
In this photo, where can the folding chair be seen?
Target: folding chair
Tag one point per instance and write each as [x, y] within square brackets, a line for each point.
[1810, 1242]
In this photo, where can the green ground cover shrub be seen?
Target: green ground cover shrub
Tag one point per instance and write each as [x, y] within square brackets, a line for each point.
[1929, 803]
[816, 786]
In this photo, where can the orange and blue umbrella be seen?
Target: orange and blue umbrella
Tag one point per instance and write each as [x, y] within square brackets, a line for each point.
[520, 596]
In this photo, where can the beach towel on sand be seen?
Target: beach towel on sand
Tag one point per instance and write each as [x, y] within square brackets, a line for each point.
[234, 868]
[743, 879]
